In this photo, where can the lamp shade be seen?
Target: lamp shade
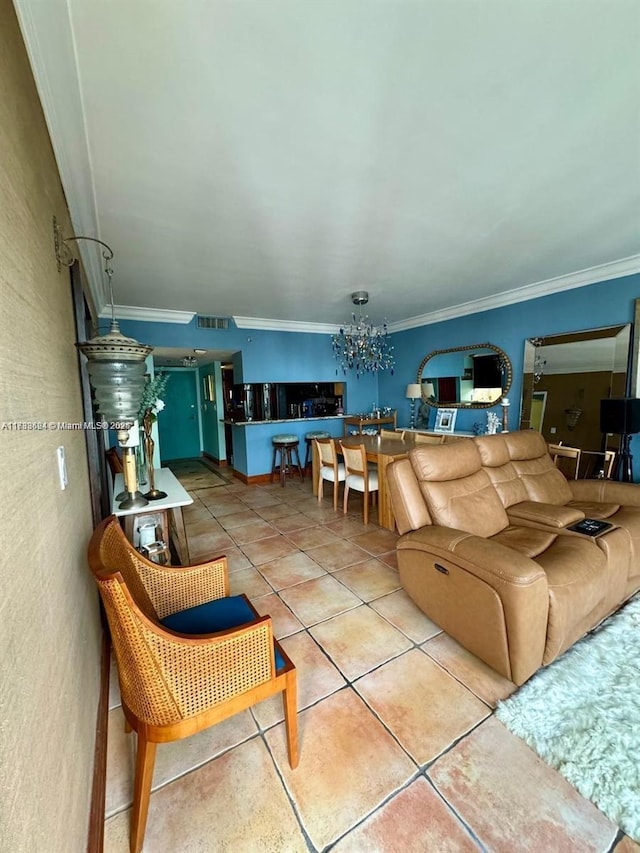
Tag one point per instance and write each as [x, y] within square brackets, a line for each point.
[414, 392]
[117, 373]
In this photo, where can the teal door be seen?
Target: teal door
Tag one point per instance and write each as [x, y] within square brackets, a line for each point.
[178, 427]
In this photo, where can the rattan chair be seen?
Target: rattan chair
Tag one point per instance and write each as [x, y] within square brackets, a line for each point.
[188, 655]
[360, 476]
[330, 468]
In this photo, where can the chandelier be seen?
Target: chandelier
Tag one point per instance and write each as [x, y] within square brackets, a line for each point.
[360, 345]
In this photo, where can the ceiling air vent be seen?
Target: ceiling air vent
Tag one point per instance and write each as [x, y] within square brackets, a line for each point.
[212, 322]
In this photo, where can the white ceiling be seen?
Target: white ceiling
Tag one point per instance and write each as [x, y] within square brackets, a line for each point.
[264, 158]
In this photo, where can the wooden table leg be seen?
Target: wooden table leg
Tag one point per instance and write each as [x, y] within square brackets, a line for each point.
[181, 543]
[385, 512]
[315, 468]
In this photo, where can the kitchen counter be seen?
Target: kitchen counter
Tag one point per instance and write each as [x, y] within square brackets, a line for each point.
[286, 420]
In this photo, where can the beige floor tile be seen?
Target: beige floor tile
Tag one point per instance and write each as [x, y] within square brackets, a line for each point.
[347, 526]
[339, 733]
[317, 678]
[209, 543]
[400, 610]
[224, 505]
[311, 537]
[237, 519]
[274, 511]
[318, 599]
[369, 580]
[470, 670]
[359, 640]
[512, 800]
[416, 819]
[202, 525]
[293, 521]
[172, 759]
[626, 845]
[260, 498]
[338, 555]
[323, 513]
[195, 512]
[252, 532]
[376, 541]
[291, 570]
[425, 708]
[267, 550]
[236, 560]
[250, 582]
[233, 803]
[390, 558]
[284, 622]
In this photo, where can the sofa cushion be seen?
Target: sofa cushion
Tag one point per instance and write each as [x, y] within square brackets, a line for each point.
[458, 493]
[494, 453]
[528, 541]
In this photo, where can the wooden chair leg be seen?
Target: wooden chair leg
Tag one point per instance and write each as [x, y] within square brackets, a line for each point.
[127, 727]
[345, 499]
[365, 496]
[290, 702]
[145, 760]
[336, 486]
[320, 482]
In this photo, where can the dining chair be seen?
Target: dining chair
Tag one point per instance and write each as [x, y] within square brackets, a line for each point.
[562, 451]
[360, 476]
[330, 468]
[609, 459]
[188, 654]
[396, 434]
[428, 439]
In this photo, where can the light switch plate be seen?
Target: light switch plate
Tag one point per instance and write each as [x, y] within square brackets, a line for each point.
[62, 467]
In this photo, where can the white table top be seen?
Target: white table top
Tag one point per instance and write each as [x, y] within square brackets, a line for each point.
[165, 481]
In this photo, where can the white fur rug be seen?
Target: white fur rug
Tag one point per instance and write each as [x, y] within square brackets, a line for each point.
[581, 714]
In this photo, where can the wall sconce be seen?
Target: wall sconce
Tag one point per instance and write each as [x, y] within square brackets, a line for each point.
[116, 366]
[572, 417]
[539, 363]
[413, 393]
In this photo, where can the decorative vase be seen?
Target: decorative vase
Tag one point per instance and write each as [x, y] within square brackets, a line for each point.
[141, 461]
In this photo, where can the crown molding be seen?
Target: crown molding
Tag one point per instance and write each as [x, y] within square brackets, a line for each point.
[286, 325]
[581, 278]
[149, 315]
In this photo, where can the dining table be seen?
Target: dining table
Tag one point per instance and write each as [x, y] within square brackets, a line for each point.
[380, 450]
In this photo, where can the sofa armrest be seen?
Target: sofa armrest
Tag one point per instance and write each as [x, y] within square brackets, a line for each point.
[549, 515]
[490, 561]
[493, 600]
[606, 491]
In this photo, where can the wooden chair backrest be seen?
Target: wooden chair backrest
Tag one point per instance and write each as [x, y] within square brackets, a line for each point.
[562, 451]
[397, 434]
[609, 459]
[429, 439]
[327, 451]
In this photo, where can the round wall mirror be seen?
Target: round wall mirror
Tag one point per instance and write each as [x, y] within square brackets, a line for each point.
[475, 377]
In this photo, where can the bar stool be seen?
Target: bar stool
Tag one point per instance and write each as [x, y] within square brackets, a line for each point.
[309, 436]
[287, 446]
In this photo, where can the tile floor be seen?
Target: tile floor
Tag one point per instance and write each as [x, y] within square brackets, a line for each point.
[399, 748]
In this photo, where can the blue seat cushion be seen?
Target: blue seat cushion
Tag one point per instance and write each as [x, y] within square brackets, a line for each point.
[219, 615]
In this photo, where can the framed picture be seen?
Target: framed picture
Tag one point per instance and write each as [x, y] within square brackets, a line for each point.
[445, 420]
[209, 388]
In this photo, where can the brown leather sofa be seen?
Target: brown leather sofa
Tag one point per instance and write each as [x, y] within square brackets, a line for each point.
[486, 550]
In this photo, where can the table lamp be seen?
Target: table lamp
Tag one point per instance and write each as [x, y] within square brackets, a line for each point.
[413, 393]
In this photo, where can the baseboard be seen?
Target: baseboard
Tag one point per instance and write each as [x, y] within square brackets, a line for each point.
[95, 840]
[221, 463]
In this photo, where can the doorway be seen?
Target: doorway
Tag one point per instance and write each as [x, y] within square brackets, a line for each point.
[178, 422]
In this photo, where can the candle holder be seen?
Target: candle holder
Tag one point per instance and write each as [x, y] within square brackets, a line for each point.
[149, 444]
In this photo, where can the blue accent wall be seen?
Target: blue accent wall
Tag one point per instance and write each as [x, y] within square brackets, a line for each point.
[303, 357]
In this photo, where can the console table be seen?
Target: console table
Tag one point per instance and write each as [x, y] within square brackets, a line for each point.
[168, 510]
[357, 421]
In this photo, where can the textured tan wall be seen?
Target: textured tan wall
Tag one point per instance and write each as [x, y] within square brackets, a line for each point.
[49, 627]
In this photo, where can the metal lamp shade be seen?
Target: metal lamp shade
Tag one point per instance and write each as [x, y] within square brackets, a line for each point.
[117, 373]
